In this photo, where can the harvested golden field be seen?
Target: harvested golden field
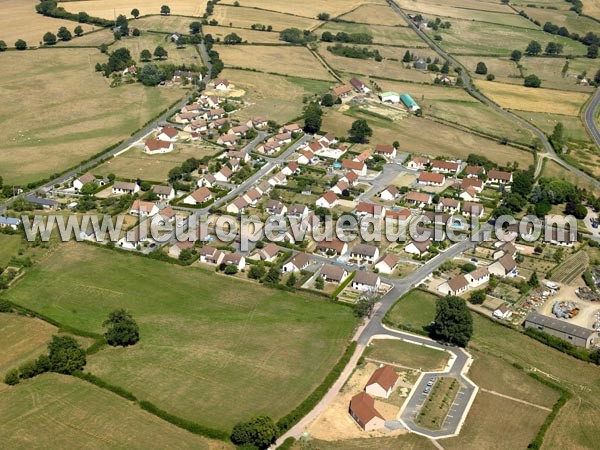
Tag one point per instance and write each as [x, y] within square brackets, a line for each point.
[245, 17]
[76, 124]
[275, 96]
[252, 36]
[107, 9]
[592, 8]
[306, 8]
[533, 99]
[286, 60]
[20, 21]
[376, 15]
[22, 339]
[165, 24]
[95, 38]
[187, 55]
[420, 5]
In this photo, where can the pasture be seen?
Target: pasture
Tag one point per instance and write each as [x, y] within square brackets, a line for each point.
[77, 124]
[9, 247]
[285, 60]
[55, 411]
[550, 71]
[555, 170]
[245, 17]
[574, 128]
[22, 339]
[252, 36]
[395, 351]
[533, 99]
[107, 9]
[187, 55]
[19, 20]
[563, 18]
[477, 5]
[95, 39]
[164, 24]
[212, 350]
[374, 14]
[274, 96]
[502, 68]
[308, 8]
[385, 35]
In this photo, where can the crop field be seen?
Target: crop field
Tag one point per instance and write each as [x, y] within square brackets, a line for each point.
[308, 8]
[470, 37]
[478, 5]
[395, 351]
[22, 339]
[58, 411]
[533, 99]
[187, 55]
[425, 136]
[76, 125]
[211, 351]
[20, 21]
[134, 163]
[107, 9]
[245, 17]
[274, 96]
[286, 60]
[165, 24]
[375, 14]
[398, 36]
[563, 18]
[252, 36]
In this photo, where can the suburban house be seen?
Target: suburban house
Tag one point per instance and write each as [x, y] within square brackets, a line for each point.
[124, 187]
[210, 255]
[342, 91]
[418, 163]
[239, 130]
[199, 196]
[334, 247]
[418, 248]
[469, 195]
[282, 138]
[275, 208]
[296, 263]
[224, 175]
[252, 196]
[474, 183]
[156, 146]
[454, 286]
[268, 253]
[291, 128]
[207, 180]
[359, 168]
[82, 180]
[228, 139]
[504, 267]
[387, 151]
[306, 157]
[217, 113]
[418, 199]
[264, 187]
[132, 239]
[366, 281]
[222, 85]
[234, 259]
[333, 274]
[447, 167]
[143, 209]
[365, 209]
[278, 179]
[478, 277]
[237, 206]
[382, 382]
[362, 157]
[576, 335]
[472, 209]
[390, 193]
[359, 86]
[387, 263]
[502, 312]
[291, 169]
[269, 148]
[198, 126]
[350, 177]
[560, 236]
[327, 200]
[362, 409]
[297, 211]
[258, 122]
[168, 133]
[364, 252]
[402, 216]
[474, 171]
[507, 248]
[163, 192]
[499, 177]
[449, 205]
[176, 249]
[9, 222]
[186, 117]
[340, 187]
[166, 215]
[431, 179]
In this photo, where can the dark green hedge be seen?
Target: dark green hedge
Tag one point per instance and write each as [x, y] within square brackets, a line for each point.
[104, 385]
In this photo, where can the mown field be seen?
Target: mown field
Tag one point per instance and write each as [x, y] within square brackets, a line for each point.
[107, 9]
[164, 24]
[308, 8]
[387, 35]
[563, 18]
[245, 17]
[252, 36]
[20, 21]
[403, 442]
[9, 246]
[276, 96]
[395, 351]
[55, 411]
[286, 60]
[78, 124]
[477, 5]
[415, 309]
[374, 14]
[212, 350]
[187, 55]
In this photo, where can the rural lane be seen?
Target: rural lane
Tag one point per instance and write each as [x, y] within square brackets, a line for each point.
[590, 115]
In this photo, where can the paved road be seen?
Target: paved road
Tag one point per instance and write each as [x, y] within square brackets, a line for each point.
[590, 116]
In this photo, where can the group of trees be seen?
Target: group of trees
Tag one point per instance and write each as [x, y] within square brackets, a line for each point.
[63, 34]
[296, 36]
[453, 322]
[232, 39]
[261, 27]
[360, 131]
[354, 52]
[258, 433]
[347, 38]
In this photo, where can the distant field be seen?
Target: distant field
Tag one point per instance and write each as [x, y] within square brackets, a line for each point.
[574, 128]
[22, 339]
[532, 99]
[507, 17]
[167, 24]
[187, 55]
[274, 96]
[502, 68]
[212, 350]
[245, 17]
[592, 8]
[564, 18]
[20, 21]
[555, 170]
[135, 163]
[402, 36]
[395, 351]
[108, 8]
[479, 5]
[307, 8]
[56, 411]
[376, 15]
[78, 124]
[295, 61]
[252, 36]
[550, 72]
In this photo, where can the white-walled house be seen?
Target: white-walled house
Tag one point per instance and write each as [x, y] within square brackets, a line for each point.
[382, 382]
[198, 197]
[143, 209]
[327, 200]
[366, 281]
[124, 187]
[455, 286]
[168, 133]
[296, 263]
[478, 277]
[387, 263]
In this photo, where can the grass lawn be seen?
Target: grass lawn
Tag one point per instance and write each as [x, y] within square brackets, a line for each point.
[212, 350]
[55, 411]
[77, 124]
[416, 309]
[395, 351]
[555, 170]
[22, 339]
[109, 8]
[403, 442]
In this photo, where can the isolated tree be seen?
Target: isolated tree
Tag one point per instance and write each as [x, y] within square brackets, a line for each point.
[557, 138]
[260, 432]
[516, 55]
[291, 281]
[20, 44]
[327, 100]
[407, 57]
[181, 42]
[477, 297]
[3, 46]
[64, 34]
[65, 355]
[445, 68]
[360, 131]
[122, 24]
[363, 307]
[165, 10]
[533, 280]
[119, 60]
[323, 16]
[319, 283]
[49, 38]
[312, 118]
[12, 377]
[592, 51]
[195, 27]
[533, 48]
[135, 13]
[232, 38]
[481, 68]
[121, 329]
[453, 322]
[532, 81]
[78, 30]
[230, 270]
[552, 48]
[160, 52]
[257, 271]
[145, 55]
[273, 275]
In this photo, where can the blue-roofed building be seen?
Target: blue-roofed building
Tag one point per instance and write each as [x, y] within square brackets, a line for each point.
[45, 203]
[9, 222]
[409, 102]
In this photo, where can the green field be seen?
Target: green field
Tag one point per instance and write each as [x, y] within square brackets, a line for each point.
[415, 309]
[404, 442]
[388, 35]
[55, 411]
[395, 351]
[9, 247]
[212, 350]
